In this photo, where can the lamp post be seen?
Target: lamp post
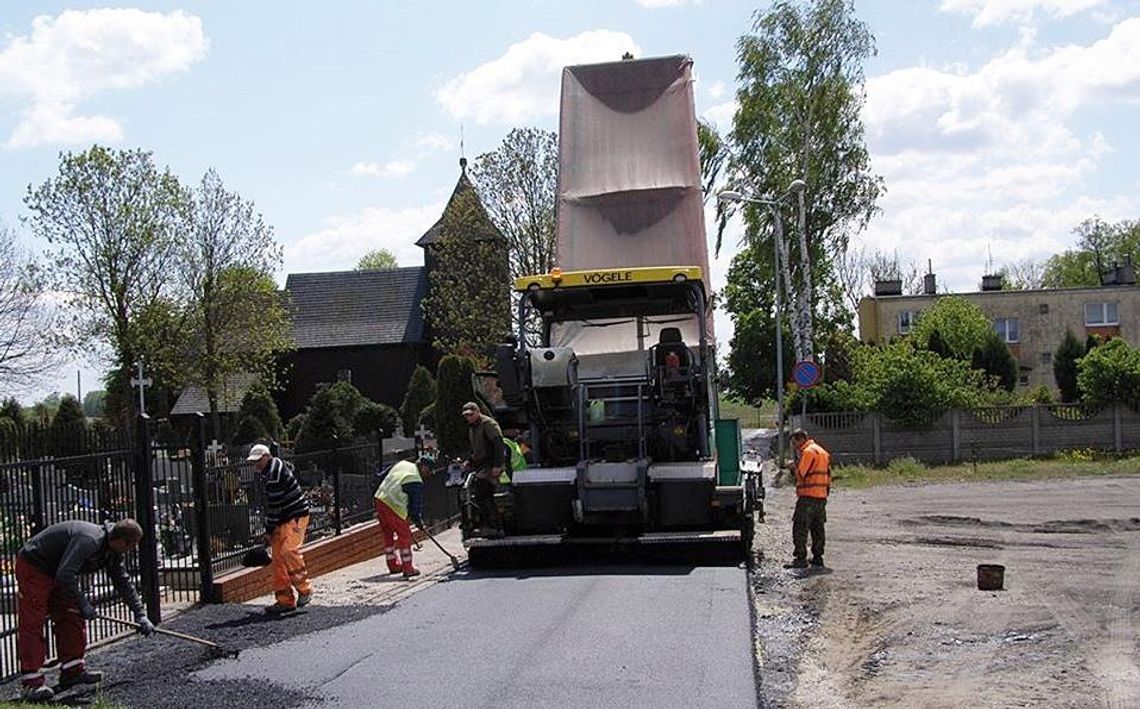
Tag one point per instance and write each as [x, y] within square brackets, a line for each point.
[797, 186]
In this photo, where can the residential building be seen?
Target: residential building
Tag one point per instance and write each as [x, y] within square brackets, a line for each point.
[1032, 322]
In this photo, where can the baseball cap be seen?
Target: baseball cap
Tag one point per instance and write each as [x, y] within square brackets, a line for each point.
[470, 406]
[257, 452]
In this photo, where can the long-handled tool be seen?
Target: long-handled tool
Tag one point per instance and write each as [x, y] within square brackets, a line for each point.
[215, 648]
[454, 559]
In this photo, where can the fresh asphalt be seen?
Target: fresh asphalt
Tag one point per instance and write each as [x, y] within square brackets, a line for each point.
[612, 636]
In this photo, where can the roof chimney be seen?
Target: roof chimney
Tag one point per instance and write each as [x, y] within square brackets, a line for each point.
[992, 282]
[1126, 272]
[929, 283]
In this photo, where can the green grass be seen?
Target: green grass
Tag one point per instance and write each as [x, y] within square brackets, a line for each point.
[750, 416]
[907, 470]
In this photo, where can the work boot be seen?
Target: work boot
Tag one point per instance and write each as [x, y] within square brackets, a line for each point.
[797, 564]
[817, 561]
[71, 679]
[279, 608]
[411, 573]
[303, 599]
[395, 568]
[37, 693]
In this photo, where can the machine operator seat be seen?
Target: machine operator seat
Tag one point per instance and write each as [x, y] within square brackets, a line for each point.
[672, 358]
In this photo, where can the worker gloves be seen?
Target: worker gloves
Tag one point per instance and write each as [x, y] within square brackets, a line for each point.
[87, 610]
[145, 626]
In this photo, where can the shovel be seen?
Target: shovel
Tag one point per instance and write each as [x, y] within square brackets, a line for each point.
[216, 649]
[455, 563]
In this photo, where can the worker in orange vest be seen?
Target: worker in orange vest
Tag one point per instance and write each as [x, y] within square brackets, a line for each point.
[813, 484]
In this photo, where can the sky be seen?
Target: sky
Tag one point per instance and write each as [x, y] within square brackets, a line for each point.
[997, 125]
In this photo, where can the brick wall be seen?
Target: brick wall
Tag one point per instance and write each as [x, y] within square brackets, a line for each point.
[357, 544]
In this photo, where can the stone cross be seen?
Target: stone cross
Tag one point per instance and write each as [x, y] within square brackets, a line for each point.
[213, 449]
[142, 383]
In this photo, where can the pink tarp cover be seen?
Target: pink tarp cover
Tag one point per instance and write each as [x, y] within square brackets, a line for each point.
[629, 191]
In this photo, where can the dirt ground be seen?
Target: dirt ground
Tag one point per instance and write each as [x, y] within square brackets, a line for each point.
[896, 619]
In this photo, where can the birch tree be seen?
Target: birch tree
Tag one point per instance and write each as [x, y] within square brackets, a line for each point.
[800, 96]
[27, 320]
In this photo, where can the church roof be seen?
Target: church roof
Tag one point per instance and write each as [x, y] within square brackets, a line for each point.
[462, 185]
[234, 388]
[354, 308]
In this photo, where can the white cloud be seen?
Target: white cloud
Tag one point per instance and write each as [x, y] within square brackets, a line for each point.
[392, 168]
[993, 159]
[78, 54]
[523, 83]
[431, 143]
[721, 115]
[339, 245]
[717, 89]
[995, 12]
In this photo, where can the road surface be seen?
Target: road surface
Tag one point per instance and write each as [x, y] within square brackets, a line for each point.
[608, 637]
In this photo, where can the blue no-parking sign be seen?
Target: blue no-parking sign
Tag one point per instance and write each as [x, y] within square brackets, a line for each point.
[806, 374]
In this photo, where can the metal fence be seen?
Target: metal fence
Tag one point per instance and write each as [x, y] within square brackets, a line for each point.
[201, 506]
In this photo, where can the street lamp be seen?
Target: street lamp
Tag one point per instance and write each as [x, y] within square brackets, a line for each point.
[796, 187]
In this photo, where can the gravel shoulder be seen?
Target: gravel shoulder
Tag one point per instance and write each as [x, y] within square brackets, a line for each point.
[897, 620]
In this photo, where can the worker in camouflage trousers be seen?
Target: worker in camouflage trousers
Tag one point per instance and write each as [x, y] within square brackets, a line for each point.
[813, 485]
[48, 567]
[286, 519]
[486, 463]
[400, 497]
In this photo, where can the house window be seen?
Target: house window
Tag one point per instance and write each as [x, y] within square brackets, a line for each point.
[1046, 357]
[1009, 329]
[1101, 314]
[1043, 309]
[907, 321]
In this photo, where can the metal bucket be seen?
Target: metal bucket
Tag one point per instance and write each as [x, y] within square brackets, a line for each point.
[991, 577]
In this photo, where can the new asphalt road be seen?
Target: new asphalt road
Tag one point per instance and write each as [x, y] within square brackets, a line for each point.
[620, 637]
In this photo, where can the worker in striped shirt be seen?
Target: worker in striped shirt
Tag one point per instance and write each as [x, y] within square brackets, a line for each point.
[286, 518]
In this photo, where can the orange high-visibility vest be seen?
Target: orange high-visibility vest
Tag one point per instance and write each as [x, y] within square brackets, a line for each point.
[813, 477]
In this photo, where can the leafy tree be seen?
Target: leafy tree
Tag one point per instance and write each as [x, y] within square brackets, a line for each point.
[420, 395]
[994, 358]
[113, 217]
[911, 385]
[518, 185]
[1099, 245]
[713, 154]
[800, 96]
[468, 300]
[11, 410]
[1065, 359]
[295, 425]
[377, 260]
[93, 402]
[27, 322]
[1110, 373]
[43, 411]
[427, 417]
[752, 357]
[250, 430]
[936, 344]
[68, 413]
[373, 417]
[258, 406]
[453, 389]
[961, 325]
[331, 417]
[236, 320]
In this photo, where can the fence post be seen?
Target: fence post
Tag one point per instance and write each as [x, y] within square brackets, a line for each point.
[877, 436]
[1117, 427]
[144, 510]
[202, 510]
[1035, 421]
[336, 488]
[956, 434]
